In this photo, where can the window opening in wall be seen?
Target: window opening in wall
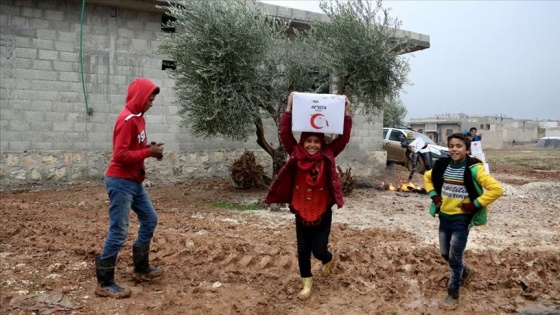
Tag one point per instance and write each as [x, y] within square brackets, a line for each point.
[448, 132]
[481, 127]
[421, 130]
[165, 19]
[488, 127]
[168, 64]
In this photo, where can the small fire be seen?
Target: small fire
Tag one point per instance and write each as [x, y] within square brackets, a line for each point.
[388, 186]
[408, 186]
[403, 187]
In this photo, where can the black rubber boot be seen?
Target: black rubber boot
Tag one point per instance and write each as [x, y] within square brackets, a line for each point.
[106, 286]
[467, 275]
[451, 301]
[142, 269]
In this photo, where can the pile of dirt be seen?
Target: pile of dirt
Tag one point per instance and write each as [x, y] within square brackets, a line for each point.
[220, 261]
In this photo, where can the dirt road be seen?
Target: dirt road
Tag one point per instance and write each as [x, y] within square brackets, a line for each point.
[221, 261]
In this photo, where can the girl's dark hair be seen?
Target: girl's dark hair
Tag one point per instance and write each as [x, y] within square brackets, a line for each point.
[156, 91]
[473, 128]
[462, 137]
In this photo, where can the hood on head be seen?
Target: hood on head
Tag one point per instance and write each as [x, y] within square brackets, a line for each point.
[305, 135]
[138, 93]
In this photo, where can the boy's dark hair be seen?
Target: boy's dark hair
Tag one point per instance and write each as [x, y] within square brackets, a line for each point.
[473, 128]
[156, 91]
[462, 137]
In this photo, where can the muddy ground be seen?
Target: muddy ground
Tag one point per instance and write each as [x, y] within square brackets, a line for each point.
[220, 261]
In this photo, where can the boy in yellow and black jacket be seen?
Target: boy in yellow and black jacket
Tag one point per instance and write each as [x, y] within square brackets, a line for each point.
[460, 190]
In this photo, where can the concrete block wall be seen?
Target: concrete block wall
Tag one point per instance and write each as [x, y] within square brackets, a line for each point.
[45, 130]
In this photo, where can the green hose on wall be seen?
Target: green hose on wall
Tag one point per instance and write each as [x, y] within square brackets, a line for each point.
[89, 111]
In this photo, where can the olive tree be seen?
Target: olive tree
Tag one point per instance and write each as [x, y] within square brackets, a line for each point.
[234, 68]
[235, 64]
[361, 48]
[394, 113]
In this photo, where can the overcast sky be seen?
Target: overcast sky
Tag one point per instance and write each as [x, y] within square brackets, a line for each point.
[486, 57]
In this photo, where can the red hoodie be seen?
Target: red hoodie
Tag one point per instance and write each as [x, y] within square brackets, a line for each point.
[129, 135]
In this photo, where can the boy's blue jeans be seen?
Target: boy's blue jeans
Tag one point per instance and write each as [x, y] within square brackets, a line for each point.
[453, 237]
[125, 194]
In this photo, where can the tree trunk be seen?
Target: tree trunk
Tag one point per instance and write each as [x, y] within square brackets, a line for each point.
[278, 160]
[278, 155]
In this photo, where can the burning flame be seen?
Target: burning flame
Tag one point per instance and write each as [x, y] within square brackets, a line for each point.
[403, 187]
[407, 186]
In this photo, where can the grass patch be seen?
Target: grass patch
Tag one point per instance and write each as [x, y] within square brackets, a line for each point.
[538, 158]
[235, 206]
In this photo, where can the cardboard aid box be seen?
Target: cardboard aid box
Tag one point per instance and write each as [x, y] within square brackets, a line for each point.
[417, 144]
[476, 148]
[323, 113]
[476, 151]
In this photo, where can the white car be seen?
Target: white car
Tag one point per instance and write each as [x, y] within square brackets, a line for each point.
[392, 138]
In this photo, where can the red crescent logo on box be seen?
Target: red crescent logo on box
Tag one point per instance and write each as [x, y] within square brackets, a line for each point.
[318, 121]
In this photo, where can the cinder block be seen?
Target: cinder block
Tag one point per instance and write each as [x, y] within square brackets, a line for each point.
[139, 44]
[62, 145]
[31, 12]
[69, 56]
[33, 136]
[42, 146]
[53, 117]
[63, 126]
[65, 26]
[24, 42]
[45, 75]
[23, 63]
[19, 145]
[25, 95]
[66, 46]
[10, 135]
[33, 116]
[66, 36]
[147, 35]
[42, 64]
[18, 21]
[64, 66]
[48, 54]
[47, 34]
[31, 53]
[42, 126]
[15, 106]
[153, 26]
[135, 24]
[45, 44]
[73, 137]
[69, 76]
[39, 24]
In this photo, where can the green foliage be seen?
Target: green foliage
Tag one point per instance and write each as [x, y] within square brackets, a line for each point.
[394, 113]
[361, 49]
[234, 65]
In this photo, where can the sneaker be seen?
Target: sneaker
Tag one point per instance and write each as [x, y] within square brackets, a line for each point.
[467, 275]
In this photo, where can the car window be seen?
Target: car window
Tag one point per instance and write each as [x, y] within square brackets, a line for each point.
[396, 135]
[424, 137]
[384, 133]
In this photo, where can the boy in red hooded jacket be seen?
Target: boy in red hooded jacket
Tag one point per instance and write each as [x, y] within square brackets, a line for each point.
[310, 184]
[123, 181]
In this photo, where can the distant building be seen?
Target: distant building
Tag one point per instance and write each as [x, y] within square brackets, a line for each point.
[496, 131]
